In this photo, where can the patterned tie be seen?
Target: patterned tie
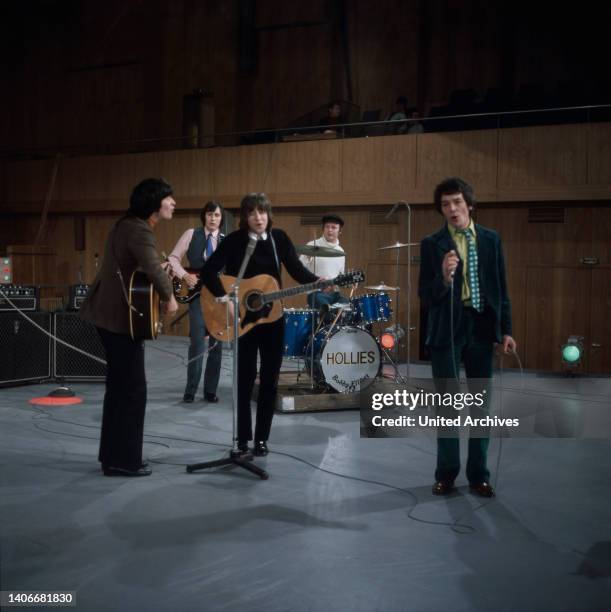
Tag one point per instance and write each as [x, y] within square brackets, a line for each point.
[209, 249]
[472, 276]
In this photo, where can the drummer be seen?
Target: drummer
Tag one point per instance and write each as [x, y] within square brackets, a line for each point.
[327, 267]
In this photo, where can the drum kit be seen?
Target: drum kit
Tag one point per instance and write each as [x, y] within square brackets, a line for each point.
[338, 346]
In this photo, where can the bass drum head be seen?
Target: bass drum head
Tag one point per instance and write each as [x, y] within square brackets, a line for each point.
[348, 359]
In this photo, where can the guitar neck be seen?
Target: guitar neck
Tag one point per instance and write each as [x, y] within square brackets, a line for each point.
[278, 295]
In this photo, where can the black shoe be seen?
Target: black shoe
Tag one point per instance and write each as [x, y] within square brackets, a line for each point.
[243, 447]
[144, 463]
[210, 397]
[260, 449]
[114, 471]
[188, 398]
[483, 489]
[442, 487]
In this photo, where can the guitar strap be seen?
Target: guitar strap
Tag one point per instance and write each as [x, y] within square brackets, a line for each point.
[271, 237]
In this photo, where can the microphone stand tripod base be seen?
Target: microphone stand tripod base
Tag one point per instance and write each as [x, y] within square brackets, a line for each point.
[235, 457]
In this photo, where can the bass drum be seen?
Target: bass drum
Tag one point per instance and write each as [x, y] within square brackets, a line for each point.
[348, 359]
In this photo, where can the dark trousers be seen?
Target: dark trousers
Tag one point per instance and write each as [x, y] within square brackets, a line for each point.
[197, 346]
[266, 340]
[124, 401]
[474, 345]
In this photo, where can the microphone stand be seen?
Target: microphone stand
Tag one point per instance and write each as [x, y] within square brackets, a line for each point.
[236, 457]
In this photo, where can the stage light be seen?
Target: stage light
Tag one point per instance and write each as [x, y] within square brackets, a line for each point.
[388, 340]
[572, 351]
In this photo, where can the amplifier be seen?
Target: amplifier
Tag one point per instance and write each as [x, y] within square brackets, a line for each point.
[77, 295]
[72, 365]
[26, 350]
[25, 297]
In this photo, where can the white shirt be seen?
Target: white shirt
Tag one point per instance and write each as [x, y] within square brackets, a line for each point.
[329, 267]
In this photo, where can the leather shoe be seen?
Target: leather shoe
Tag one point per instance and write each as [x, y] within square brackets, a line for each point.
[188, 398]
[210, 397]
[260, 449]
[115, 471]
[144, 463]
[483, 489]
[443, 488]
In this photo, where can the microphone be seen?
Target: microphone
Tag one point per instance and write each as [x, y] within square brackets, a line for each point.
[250, 249]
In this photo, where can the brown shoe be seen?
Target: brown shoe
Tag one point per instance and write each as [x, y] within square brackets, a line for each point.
[443, 488]
[483, 489]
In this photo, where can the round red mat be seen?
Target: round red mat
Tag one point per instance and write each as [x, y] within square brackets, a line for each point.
[55, 401]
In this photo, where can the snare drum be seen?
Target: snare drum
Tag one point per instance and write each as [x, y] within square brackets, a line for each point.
[297, 330]
[347, 359]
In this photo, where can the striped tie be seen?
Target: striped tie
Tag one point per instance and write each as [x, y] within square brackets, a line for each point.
[472, 276]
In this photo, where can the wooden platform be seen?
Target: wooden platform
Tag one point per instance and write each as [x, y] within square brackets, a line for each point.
[297, 396]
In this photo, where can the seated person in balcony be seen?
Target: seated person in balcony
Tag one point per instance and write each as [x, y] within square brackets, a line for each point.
[400, 112]
[414, 126]
[333, 118]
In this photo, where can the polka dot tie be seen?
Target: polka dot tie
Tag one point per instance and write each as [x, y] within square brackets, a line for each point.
[472, 276]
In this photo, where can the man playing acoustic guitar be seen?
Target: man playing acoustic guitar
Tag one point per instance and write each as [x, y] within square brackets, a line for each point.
[273, 248]
[130, 247]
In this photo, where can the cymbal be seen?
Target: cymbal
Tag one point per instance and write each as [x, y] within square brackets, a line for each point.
[312, 250]
[382, 287]
[398, 245]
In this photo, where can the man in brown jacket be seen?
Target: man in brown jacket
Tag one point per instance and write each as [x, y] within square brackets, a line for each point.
[130, 246]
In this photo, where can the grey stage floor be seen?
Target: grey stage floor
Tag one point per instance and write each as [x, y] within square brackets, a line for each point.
[343, 523]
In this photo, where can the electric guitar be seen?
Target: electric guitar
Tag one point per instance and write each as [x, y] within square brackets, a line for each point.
[144, 308]
[182, 292]
[259, 301]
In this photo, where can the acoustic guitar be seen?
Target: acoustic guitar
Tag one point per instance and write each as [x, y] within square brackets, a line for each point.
[259, 301]
[144, 308]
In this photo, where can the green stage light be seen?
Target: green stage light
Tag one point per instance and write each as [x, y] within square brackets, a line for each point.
[572, 351]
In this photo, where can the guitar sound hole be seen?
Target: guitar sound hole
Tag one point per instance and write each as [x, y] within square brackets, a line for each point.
[253, 301]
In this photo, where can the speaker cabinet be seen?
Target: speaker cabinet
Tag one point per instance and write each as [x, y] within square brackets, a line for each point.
[26, 350]
[68, 363]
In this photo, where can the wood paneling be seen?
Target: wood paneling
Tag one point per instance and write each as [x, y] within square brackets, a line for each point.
[543, 157]
[598, 346]
[556, 308]
[375, 165]
[599, 154]
[470, 155]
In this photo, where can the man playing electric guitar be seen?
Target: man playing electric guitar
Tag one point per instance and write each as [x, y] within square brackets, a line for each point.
[273, 249]
[198, 245]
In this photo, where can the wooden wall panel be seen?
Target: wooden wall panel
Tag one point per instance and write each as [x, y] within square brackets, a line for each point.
[543, 157]
[307, 167]
[599, 154]
[555, 309]
[470, 155]
[382, 164]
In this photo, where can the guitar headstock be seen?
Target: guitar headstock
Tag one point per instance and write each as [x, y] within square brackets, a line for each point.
[351, 277]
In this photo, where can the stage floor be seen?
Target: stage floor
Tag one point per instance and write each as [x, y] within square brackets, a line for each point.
[343, 523]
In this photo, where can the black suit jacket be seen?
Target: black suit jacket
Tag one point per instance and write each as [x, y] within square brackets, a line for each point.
[435, 294]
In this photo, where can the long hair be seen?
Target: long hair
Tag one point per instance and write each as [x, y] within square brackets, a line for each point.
[255, 201]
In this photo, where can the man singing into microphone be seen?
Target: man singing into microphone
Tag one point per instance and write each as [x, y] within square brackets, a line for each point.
[462, 268]
[272, 249]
